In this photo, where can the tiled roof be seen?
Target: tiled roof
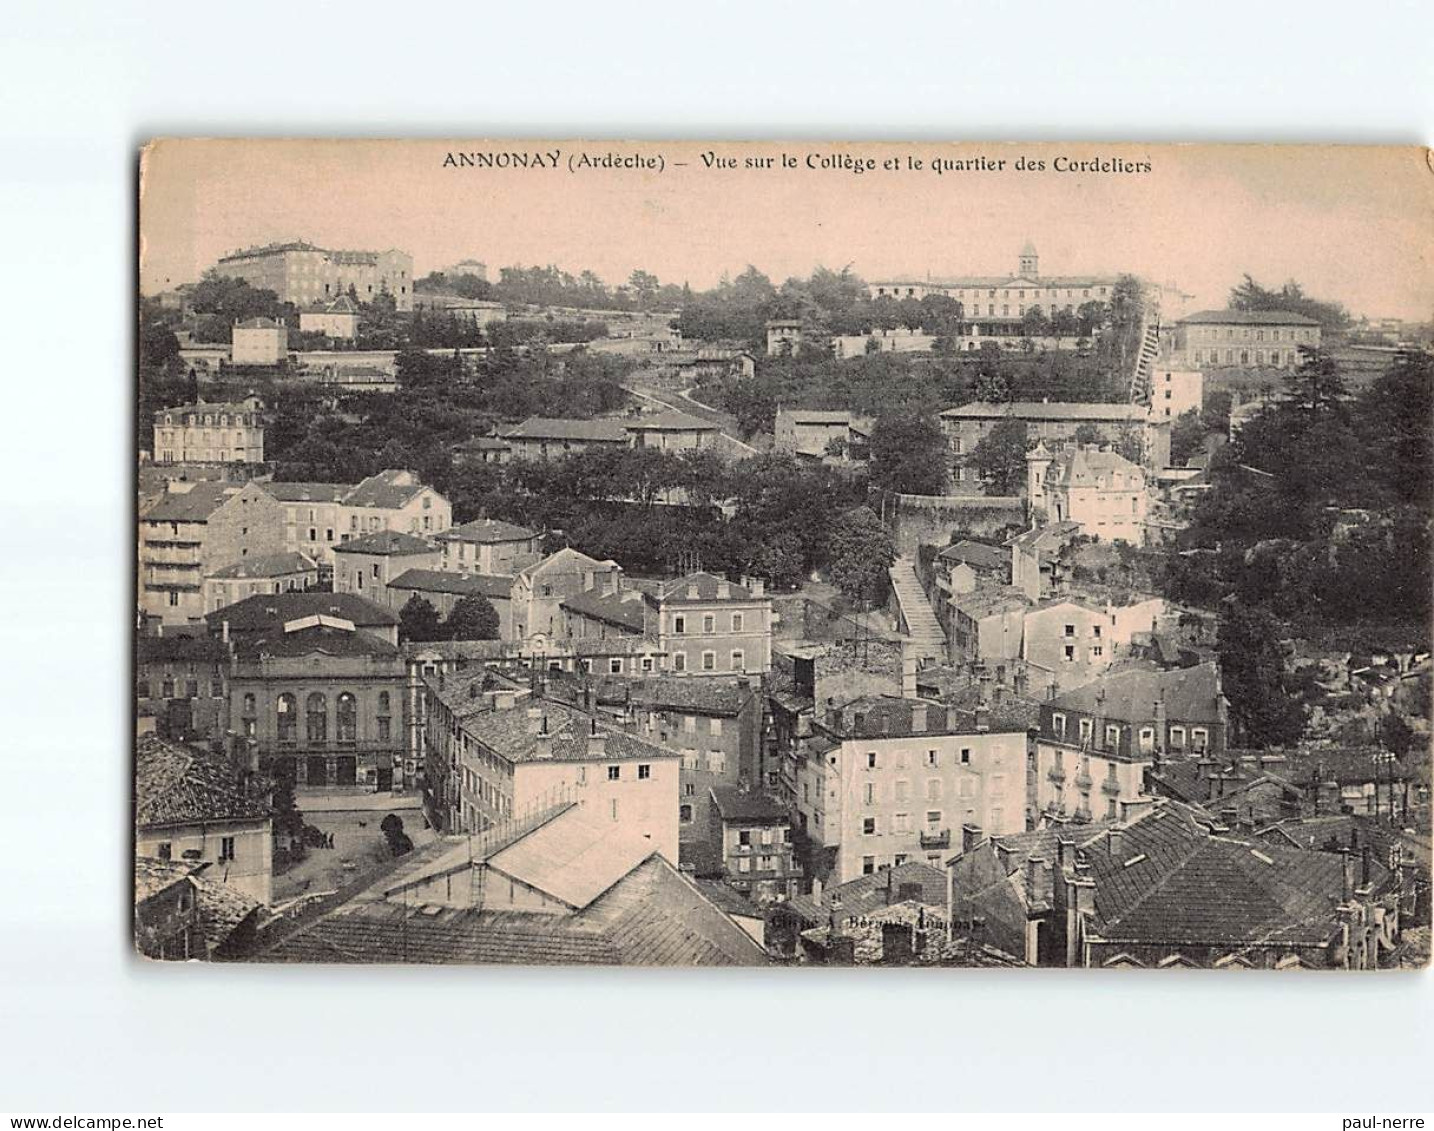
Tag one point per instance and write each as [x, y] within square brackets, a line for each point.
[159, 649]
[1190, 694]
[738, 805]
[626, 608]
[651, 917]
[1085, 466]
[194, 505]
[388, 490]
[320, 638]
[984, 602]
[1048, 410]
[488, 530]
[268, 565]
[152, 876]
[870, 893]
[575, 856]
[1045, 537]
[219, 407]
[222, 909]
[977, 555]
[492, 586]
[715, 695]
[702, 587]
[178, 785]
[259, 324]
[1248, 318]
[270, 610]
[514, 733]
[341, 305]
[673, 421]
[389, 543]
[543, 428]
[890, 716]
[815, 415]
[307, 492]
[566, 560]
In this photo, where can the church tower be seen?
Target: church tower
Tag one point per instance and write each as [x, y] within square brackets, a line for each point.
[1029, 262]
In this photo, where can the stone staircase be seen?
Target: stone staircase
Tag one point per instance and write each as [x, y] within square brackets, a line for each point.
[928, 641]
[1142, 376]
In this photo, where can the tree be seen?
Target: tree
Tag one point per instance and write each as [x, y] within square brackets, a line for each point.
[1087, 434]
[1254, 679]
[472, 618]
[908, 454]
[1249, 295]
[861, 550]
[398, 840]
[645, 286]
[1000, 457]
[1187, 437]
[418, 620]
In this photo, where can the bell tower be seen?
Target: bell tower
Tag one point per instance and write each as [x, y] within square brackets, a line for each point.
[1029, 262]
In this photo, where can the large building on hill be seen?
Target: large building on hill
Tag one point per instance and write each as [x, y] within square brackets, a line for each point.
[303, 274]
[210, 433]
[1091, 485]
[1212, 339]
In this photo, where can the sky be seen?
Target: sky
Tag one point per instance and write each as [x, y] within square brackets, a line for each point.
[1353, 224]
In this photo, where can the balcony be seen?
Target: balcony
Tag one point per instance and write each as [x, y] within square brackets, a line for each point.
[1110, 787]
[940, 839]
[1057, 775]
[1083, 780]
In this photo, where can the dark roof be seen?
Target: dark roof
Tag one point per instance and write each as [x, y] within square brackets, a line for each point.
[704, 587]
[178, 785]
[265, 611]
[673, 421]
[390, 543]
[194, 505]
[713, 695]
[159, 649]
[651, 917]
[259, 324]
[1190, 694]
[624, 609]
[1249, 318]
[514, 733]
[545, 428]
[488, 530]
[152, 876]
[268, 565]
[318, 638]
[977, 555]
[492, 586]
[308, 492]
[1048, 410]
[341, 305]
[891, 716]
[387, 490]
[738, 805]
[870, 893]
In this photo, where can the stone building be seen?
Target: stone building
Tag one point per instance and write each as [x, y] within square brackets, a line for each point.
[259, 341]
[367, 563]
[338, 318]
[1213, 339]
[228, 432]
[182, 682]
[303, 274]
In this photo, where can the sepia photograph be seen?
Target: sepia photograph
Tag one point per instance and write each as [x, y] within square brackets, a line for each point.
[554, 553]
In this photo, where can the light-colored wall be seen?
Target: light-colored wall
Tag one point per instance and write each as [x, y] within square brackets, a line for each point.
[754, 639]
[260, 345]
[648, 806]
[1091, 649]
[252, 869]
[1113, 781]
[368, 575]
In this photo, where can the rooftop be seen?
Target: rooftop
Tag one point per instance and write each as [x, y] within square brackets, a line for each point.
[744, 807]
[977, 555]
[307, 492]
[549, 730]
[179, 785]
[267, 565]
[670, 422]
[1190, 695]
[388, 543]
[547, 428]
[491, 586]
[388, 490]
[162, 649]
[714, 695]
[1248, 318]
[488, 530]
[703, 587]
[266, 611]
[624, 608]
[302, 638]
[1048, 410]
[193, 504]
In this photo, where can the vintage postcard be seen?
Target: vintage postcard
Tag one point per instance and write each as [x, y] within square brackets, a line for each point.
[953, 555]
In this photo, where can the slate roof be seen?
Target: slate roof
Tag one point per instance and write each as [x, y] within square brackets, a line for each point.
[715, 695]
[153, 876]
[891, 716]
[487, 530]
[870, 893]
[976, 555]
[1045, 537]
[267, 565]
[672, 421]
[1248, 318]
[651, 917]
[491, 586]
[307, 492]
[194, 505]
[547, 428]
[265, 611]
[388, 543]
[745, 807]
[1191, 695]
[388, 490]
[324, 639]
[985, 602]
[1084, 466]
[1048, 410]
[624, 608]
[178, 785]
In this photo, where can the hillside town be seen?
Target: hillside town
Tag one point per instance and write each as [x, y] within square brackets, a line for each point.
[984, 620]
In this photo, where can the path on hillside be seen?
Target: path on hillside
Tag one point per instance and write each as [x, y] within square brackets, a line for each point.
[921, 623]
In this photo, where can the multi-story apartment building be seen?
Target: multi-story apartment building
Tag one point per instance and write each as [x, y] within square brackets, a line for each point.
[210, 433]
[182, 682]
[1175, 392]
[488, 545]
[1212, 339]
[366, 563]
[193, 530]
[1096, 741]
[886, 780]
[1096, 487]
[1069, 639]
[708, 625]
[313, 517]
[753, 836]
[259, 341]
[1053, 423]
[303, 274]
[514, 757]
[320, 702]
[194, 807]
[539, 591]
[286, 572]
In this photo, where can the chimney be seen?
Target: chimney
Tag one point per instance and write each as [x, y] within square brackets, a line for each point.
[1065, 853]
[1364, 866]
[1162, 728]
[918, 719]
[224, 631]
[597, 743]
[1347, 890]
[1116, 837]
[816, 889]
[983, 718]
[759, 587]
[724, 591]
[970, 837]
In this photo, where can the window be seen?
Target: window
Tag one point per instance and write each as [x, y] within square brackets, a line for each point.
[997, 817]
[226, 849]
[931, 757]
[141, 689]
[689, 724]
[744, 863]
[287, 711]
[871, 760]
[1199, 739]
[689, 790]
[709, 661]
[689, 759]
[1147, 738]
[933, 820]
[1058, 724]
[739, 660]
[1069, 656]
[679, 661]
[614, 773]
[1177, 738]
[903, 791]
[1112, 737]
[1070, 631]
[868, 826]
[347, 718]
[191, 689]
[736, 622]
[317, 718]
[679, 625]
[709, 624]
[933, 789]
[868, 794]
[684, 814]
[614, 666]
[965, 755]
[166, 850]
[1086, 729]
[717, 761]
[644, 771]
[868, 865]
[902, 823]
[384, 732]
[647, 663]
